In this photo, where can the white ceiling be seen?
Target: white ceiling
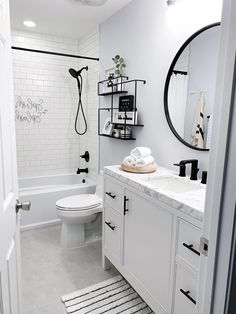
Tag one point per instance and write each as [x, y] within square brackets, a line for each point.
[61, 17]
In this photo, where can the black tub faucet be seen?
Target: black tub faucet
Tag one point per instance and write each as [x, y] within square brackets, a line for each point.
[194, 168]
[79, 171]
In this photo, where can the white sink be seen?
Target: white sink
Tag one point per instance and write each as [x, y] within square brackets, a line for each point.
[172, 184]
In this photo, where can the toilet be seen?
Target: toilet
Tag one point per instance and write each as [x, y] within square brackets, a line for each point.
[75, 212]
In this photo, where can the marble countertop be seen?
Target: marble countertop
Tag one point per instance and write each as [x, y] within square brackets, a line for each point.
[190, 202]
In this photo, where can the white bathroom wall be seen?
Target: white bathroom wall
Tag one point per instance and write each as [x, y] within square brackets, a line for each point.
[148, 36]
[46, 98]
[89, 46]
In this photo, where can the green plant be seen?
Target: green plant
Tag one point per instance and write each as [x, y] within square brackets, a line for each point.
[120, 65]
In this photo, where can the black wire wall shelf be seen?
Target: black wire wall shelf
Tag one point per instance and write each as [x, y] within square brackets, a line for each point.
[119, 138]
[113, 93]
[129, 118]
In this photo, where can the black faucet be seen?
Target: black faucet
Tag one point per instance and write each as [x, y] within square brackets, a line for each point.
[79, 171]
[194, 168]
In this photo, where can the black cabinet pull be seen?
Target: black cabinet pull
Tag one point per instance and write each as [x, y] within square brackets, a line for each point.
[109, 225]
[109, 194]
[190, 247]
[186, 293]
[125, 201]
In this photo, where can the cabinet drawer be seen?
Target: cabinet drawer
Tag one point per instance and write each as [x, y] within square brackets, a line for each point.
[185, 292]
[112, 232]
[188, 243]
[113, 194]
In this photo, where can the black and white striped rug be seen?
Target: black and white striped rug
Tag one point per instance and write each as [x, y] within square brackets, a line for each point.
[113, 296]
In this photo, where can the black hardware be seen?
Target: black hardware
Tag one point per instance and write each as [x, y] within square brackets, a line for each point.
[109, 194]
[54, 53]
[180, 72]
[167, 84]
[190, 247]
[125, 201]
[85, 156]
[79, 171]
[194, 168]
[186, 293]
[182, 170]
[109, 225]
[204, 177]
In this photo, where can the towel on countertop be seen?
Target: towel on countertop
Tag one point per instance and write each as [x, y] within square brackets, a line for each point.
[138, 162]
[141, 152]
[145, 161]
[198, 125]
[130, 160]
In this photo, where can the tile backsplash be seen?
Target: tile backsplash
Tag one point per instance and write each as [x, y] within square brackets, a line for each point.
[45, 104]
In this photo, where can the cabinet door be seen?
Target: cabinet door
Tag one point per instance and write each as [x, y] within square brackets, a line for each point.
[112, 231]
[113, 194]
[185, 292]
[147, 245]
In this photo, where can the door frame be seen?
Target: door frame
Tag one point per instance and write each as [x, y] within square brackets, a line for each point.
[214, 268]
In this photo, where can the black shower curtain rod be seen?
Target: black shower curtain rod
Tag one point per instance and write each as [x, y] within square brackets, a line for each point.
[54, 53]
[180, 72]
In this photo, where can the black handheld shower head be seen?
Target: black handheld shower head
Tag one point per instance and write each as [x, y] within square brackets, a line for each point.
[75, 73]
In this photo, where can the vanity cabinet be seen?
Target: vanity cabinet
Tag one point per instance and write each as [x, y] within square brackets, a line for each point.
[152, 247]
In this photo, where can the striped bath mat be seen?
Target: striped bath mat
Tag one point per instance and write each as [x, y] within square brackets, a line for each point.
[113, 296]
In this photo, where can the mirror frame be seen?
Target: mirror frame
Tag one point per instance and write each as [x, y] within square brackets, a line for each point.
[167, 83]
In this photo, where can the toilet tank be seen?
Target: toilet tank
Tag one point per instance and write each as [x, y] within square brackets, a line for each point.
[99, 186]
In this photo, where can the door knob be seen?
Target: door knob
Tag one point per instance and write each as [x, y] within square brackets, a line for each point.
[22, 205]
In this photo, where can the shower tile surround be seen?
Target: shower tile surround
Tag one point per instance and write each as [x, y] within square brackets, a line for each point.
[52, 146]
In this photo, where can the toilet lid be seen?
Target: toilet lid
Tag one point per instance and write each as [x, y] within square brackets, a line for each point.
[79, 202]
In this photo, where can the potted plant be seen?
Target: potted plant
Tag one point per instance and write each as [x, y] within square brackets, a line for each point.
[119, 70]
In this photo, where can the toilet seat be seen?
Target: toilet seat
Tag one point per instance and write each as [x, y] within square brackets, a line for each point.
[81, 202]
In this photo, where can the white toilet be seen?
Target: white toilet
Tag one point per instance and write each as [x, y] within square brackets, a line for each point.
[77, 210]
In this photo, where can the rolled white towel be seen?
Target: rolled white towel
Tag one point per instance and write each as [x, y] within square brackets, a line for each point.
[141, 152]
[145, 161]
[130, 160]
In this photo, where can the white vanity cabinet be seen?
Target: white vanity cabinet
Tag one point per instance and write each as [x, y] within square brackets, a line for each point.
[152, 247]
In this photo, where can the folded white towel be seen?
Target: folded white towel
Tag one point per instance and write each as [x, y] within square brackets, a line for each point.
[130, 160]
[140, 152]
[145, 161]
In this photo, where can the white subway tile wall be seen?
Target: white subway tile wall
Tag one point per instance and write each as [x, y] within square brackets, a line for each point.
[46, 98]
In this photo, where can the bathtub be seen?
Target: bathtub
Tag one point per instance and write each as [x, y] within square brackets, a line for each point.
[43, 192]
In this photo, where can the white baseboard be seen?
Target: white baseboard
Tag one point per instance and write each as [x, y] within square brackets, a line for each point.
[40, 225]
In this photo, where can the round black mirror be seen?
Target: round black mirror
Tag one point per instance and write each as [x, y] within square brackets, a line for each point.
[190, 88]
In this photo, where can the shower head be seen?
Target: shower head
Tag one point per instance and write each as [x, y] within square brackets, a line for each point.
[75, 73]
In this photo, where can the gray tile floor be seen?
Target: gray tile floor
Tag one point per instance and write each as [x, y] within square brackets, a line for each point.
[49, 271]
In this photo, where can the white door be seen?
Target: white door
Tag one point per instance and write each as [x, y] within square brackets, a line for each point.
[217, 169]
[10, 282]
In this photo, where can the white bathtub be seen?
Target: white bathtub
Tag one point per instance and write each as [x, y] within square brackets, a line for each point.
[43, 192]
